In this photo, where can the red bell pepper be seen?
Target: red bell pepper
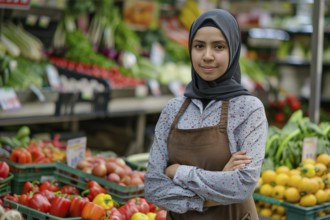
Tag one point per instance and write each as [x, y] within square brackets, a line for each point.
[51, 186]
[92, 211]
[30, 187]
[4, 169]
[24, 198]
[70, 190]
[39, 202]
[48, 194]
[20, 155]
[60, 206]
[35, 152]
[77, 205]
[140, 203]
[93, 189]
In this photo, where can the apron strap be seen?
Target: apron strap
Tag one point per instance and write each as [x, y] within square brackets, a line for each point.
[224, 115]
[181, 111]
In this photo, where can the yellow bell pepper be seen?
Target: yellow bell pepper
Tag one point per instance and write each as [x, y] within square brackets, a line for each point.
[104, 200]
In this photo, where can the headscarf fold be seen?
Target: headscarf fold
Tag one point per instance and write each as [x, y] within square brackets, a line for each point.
[229, 84]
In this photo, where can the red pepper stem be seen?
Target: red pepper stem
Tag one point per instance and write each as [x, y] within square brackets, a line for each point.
[85, 192]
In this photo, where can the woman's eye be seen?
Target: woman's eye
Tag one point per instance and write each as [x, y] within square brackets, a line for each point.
[198, 46]
[219, 46]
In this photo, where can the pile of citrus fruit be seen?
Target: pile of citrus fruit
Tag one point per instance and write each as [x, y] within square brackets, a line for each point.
[307, 185]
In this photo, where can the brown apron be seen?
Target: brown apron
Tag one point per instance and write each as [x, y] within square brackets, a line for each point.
[206, 148]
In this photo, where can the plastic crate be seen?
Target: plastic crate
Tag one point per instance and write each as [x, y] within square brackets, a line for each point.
[121, 194]
[5, 185]
[33, 214]
[28, 172]
[294, 212]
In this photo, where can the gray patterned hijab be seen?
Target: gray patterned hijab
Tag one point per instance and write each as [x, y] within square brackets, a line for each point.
[229, 84]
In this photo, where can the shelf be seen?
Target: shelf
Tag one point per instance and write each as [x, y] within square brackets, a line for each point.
[40, 112]
[296, 62]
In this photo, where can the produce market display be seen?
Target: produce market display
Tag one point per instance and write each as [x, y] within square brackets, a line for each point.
[68, 62]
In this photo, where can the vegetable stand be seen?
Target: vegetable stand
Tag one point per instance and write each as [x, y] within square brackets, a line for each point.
[43, 113]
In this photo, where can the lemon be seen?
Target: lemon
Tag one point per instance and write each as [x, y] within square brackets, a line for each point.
[320, 182]
[320, 169]
[282, 169]
[306, 185]
[308, 161]
[308, 200]
[282, 179]
[323, 158]
[294, 172]
[278, 192]
[266, 212]
[321, 196]
[266, 189]
[308, 170]
[294, 180]
[292, 195]
[268, 176]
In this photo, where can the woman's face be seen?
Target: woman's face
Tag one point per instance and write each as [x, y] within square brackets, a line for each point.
[210, 53]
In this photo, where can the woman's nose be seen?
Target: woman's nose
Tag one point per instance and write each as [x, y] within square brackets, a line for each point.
[208, 54]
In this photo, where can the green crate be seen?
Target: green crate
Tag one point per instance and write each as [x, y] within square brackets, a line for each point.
[5, 185]
[294, 212]
[78, 178]
[33, 214]
[28, 172]
[31, 171]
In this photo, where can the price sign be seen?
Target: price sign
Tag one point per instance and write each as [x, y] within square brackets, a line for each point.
[15, 4]
[75, 151]
[8, 99]
[309, 148]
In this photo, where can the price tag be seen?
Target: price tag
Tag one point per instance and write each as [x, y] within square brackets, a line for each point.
[53, 77]
[75, 151]
[309, 148]
[8, 99]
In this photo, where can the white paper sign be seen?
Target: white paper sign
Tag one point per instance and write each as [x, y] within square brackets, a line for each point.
[75, 151]
[309, 148]
[8, 99]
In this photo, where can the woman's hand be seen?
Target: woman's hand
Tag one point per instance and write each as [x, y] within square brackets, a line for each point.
[171, 170]
[238, 160]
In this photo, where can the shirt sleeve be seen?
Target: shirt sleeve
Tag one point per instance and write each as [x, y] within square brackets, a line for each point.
[227, 187]
[160, 189]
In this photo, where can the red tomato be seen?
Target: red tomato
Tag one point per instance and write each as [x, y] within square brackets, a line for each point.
[4, 169]
[140, 203]
[128, 210]
[114, 214]
[161, 215]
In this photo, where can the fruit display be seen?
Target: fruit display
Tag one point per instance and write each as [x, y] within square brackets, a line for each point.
[307, 185]
[113, 169]
[285, 146]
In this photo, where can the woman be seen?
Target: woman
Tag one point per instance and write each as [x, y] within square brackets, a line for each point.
[209, 145]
